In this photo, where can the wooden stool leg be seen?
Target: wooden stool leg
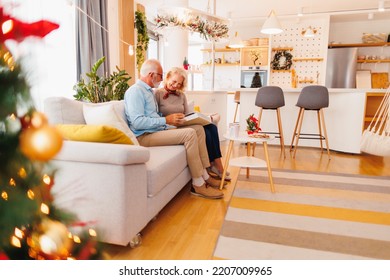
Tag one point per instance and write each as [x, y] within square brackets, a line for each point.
[299, 131]
[325, 134]
[235, 112]
[227, 158]
[260, 114]
[295, 130]
[271, 181]
[248, 153]
[280, 131]
[319, 129]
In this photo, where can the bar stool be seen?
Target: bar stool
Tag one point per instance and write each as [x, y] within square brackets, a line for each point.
[272, 98]
[313, 98]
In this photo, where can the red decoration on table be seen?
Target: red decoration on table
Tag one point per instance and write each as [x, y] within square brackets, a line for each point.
[14, 29]
[252, 125]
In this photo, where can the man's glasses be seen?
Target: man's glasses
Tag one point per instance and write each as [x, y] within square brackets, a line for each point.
[161, 76]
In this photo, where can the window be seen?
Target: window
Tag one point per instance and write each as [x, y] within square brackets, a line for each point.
[153, 47]
[49, 62]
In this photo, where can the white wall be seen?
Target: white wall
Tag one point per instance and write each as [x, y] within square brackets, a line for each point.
[352, 31]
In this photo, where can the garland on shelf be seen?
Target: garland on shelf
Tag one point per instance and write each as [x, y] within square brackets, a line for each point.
[282, 61]
[210, 30]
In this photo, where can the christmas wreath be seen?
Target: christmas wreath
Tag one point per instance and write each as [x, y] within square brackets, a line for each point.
[282, 60]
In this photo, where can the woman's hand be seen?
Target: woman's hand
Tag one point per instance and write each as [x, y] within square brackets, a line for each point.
[175, 119]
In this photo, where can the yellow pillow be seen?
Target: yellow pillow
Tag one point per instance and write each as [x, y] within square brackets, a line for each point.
[93, 133]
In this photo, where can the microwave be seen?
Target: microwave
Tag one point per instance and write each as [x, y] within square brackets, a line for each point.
[253, 76]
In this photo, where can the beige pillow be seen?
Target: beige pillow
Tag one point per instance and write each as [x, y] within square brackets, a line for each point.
[105, 114]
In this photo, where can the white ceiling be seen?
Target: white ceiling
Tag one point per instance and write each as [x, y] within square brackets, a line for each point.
[246, 10]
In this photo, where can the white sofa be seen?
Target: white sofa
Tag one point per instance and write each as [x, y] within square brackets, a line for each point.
[115, 188]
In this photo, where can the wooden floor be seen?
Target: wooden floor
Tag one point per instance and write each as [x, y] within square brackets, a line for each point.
[188, 227]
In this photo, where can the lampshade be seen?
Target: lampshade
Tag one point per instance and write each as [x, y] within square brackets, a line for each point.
[309, 32]
[236, 42]
[271, 25]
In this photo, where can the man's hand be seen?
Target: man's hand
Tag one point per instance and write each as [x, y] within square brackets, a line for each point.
[175, 119]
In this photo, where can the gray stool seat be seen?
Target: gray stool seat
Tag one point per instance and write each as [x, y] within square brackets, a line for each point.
[271, 98]
[313, 98]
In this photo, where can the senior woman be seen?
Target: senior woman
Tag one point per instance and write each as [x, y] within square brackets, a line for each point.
[171, 99]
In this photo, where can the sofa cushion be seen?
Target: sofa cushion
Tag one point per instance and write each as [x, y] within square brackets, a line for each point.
[109, 113]
[165, 163]
[61, 110]
[93, 133]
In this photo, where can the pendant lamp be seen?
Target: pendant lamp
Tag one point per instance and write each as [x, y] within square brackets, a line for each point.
[309, 32]
[271, 25]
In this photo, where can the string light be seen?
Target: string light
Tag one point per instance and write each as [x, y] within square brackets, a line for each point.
[19, 233]
[12, 182]
[30, 194]
[76, 239]
[131, 50]
[7, 26]
[92, 232]
[22, 173]
[46, 179]
[4, 195]
[45, 209]
[16, 242]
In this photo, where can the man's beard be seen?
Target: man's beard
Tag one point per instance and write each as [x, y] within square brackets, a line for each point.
[156, 84]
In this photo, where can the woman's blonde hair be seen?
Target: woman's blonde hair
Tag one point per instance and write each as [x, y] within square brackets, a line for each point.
[181, 72]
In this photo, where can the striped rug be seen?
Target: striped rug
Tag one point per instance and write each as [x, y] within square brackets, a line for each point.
[319, 216]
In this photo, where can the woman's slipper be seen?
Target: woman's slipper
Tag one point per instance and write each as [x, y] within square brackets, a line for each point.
[218, 174]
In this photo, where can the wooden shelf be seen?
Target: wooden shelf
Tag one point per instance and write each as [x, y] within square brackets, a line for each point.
[221, 50]
[306, 81]
[359, 45]
[308, 59]
[375, 94]
[254, 47]
[286, 71]
[221, 64]
[371, 118]
[282, 49]
[373, 61]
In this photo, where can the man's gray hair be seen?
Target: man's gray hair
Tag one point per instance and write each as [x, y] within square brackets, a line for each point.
[150, 65]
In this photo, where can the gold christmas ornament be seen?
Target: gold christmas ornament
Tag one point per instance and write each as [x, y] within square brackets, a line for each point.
[41, 143]
[7, 57]
[51, 241]
[38, 119]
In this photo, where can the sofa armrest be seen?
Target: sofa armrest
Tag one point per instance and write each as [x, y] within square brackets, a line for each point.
[119, 154]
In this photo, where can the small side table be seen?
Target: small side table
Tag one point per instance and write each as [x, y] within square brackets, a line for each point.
[248, 161]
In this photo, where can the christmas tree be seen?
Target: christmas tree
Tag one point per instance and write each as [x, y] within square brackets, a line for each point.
[31, 227]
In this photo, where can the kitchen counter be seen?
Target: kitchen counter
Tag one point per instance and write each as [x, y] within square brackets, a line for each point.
[344, 117]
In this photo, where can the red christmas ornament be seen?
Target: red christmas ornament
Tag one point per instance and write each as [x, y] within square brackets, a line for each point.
[14, 29]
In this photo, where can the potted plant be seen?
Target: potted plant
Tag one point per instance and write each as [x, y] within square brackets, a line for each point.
[102, 89]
